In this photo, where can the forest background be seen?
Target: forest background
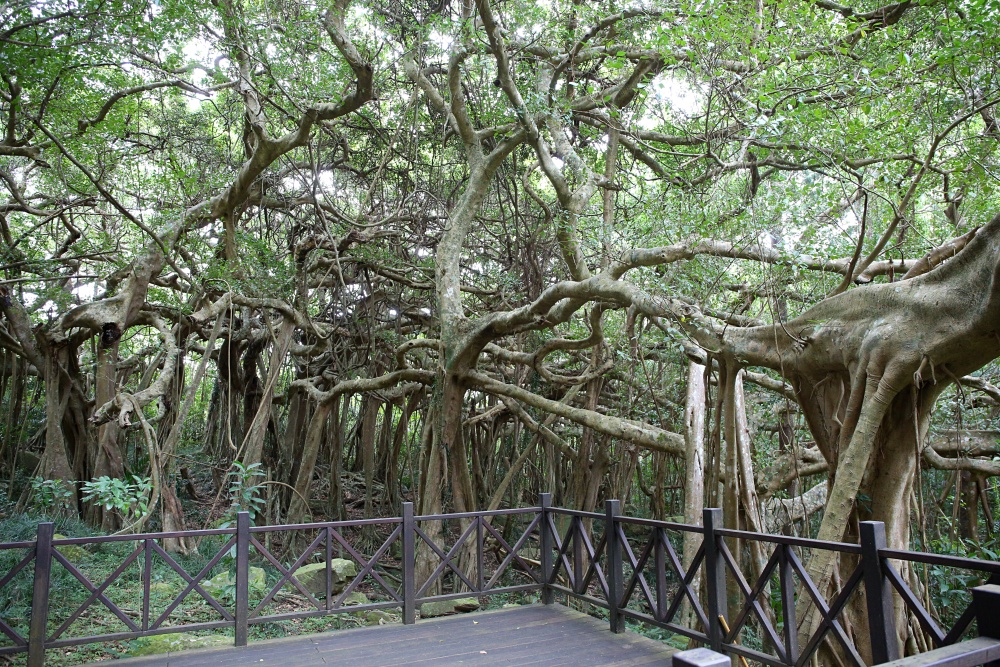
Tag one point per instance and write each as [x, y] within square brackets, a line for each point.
[314, 259]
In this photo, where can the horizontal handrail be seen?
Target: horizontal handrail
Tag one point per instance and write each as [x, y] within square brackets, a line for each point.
[455, 516]
[17, 545]
[134, 537]
[804, 542]
[562, 511]
[352, 523]
[993, 567]
[666, 525]
[971, 653]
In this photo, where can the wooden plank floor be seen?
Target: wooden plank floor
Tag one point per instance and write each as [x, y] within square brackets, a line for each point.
[532, 635]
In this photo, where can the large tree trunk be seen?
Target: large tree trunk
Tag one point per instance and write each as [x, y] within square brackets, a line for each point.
[749, 502]
[253, 444]
[298, 506]
[338, 420]
[392, 465]
[61, 445]
[106, 458]
[15, 371]
[432, 468]
[453, 398]
[868, 364]
[694, 472]
[371, 442]
[591, 459]
[292, 444]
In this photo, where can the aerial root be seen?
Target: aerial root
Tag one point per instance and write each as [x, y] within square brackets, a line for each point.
[918, 377]
[958, 383]
[840, 400]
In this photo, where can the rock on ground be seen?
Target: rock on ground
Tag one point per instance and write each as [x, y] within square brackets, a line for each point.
[313, 576]
[448, 607]
[176, 642]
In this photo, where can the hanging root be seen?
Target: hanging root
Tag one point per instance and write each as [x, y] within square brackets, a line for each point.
[840, 400]
[854, 459]
[918, 376]
[958, 383]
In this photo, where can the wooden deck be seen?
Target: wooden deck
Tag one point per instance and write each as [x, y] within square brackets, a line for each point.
[532, 635]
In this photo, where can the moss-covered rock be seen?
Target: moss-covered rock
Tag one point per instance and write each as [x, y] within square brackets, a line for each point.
[448, 607]
[223, 584]
[354, 599]
[176, 642]
[343, 571]
[379, 617]
[313, 576]
[74, 553]
[257, 580]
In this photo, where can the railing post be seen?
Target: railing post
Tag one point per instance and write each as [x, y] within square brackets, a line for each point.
[878, 594]
[615, 574]
[242, 577]
[409, 566]
[787, 584]
[480, 565]
[715, 577]
[986, 602]
[329, 568]
[660, 563]
[147, 580]
[545, 547]
[575, 530]
[40, 595]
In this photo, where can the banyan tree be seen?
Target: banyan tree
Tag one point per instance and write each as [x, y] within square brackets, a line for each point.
[460, 252]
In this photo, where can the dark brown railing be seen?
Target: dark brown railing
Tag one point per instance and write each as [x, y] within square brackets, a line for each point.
[628, 566]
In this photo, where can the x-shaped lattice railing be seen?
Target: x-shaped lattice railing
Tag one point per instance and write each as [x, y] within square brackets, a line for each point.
[665, 560]
[97, 592]
[447, 559]
[584, 554]
[751, 601]
[147, 548]
[6, 629]
[326, 538]
[828, 612]
[513, 553]
[193, 583]
[480, 526]
[926, 620]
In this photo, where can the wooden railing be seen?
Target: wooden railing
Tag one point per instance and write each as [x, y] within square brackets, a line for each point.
[630, 567]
